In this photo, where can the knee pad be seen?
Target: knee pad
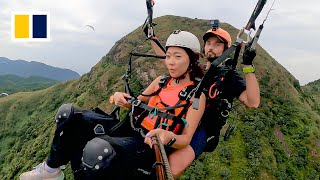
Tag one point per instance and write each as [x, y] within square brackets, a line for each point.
[64, 114]
[97, 155]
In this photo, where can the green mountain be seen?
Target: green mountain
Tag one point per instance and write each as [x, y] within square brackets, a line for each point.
[26, 69]
[280, 140]
[12, 83]
[312, 95]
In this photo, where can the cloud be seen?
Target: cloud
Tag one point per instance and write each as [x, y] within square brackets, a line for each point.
[290, 34]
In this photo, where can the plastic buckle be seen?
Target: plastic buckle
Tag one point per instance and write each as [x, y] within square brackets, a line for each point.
[163, 124]
[162, 81]
[136, 102]
[191, 93]
[154, 112]
[183, 93]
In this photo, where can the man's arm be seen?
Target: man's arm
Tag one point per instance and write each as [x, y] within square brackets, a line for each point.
[155, 44]
[251, 96]
[156, 48]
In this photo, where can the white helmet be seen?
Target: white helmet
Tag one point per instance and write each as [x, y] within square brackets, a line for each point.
[184, 39]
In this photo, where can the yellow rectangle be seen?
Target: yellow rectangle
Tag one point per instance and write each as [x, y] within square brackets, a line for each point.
[21, 25]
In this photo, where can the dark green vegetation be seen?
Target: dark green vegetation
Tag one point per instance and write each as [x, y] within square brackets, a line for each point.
[280, 140]
[12, 83]
[311, 95]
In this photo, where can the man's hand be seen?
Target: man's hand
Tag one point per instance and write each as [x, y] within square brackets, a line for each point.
[146, 32]
[248, 56]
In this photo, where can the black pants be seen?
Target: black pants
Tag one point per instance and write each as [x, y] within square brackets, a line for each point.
[134, 159]
[71, 137]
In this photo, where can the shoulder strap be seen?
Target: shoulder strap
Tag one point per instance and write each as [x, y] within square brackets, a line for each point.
[185, 94]
[162, 84]
[164, 81]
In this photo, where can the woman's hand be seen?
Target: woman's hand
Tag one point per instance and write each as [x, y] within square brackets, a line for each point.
[119, 98]
[164, 135]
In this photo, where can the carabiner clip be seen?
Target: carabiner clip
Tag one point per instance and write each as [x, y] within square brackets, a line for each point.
[225, 114]
[154, 113]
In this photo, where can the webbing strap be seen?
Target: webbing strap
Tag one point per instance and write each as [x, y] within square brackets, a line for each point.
[205, 80]
[160, 114]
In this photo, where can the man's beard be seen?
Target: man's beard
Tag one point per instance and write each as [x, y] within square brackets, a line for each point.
[211, 57]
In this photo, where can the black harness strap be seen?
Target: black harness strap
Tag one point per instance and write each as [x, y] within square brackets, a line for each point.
[162, 84]
[184, 95]
[163, 117]
[205, 80]
[138, 103]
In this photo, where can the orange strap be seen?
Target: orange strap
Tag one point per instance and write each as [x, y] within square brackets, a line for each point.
[214, 94]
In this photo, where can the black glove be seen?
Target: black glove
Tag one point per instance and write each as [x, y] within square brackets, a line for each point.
[248, 56]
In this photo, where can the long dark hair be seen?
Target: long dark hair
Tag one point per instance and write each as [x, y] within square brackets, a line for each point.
[196, 72]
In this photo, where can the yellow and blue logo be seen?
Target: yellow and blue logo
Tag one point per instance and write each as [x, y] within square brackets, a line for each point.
[30, 26]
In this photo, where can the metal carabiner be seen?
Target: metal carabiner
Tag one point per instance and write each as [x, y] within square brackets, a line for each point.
[226, 114]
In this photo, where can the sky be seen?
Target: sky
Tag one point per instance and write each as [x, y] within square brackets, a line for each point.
[290, 34]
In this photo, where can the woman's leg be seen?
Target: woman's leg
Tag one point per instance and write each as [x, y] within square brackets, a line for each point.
[74, 129]
[67, 139]
[181, 159]
[64, 143]
[179, 164]
[90, 124]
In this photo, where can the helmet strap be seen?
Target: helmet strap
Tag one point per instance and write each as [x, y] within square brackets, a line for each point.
[188, 71]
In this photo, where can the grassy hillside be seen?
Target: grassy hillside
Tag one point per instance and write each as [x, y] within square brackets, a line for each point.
[12, 83]
[312, 95]
[280, 140]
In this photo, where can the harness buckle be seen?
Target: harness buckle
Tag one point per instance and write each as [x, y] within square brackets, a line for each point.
[183, 93]
[191, 93]
[162, 81]
[136, 102]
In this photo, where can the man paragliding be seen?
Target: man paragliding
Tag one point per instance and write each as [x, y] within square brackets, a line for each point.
[90, 27]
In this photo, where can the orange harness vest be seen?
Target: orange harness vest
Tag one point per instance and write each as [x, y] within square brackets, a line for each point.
[167, 101]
